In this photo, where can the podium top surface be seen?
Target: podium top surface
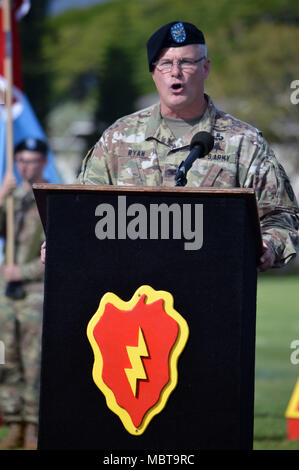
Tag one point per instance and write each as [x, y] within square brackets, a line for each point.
[40, 187]
[42, 190]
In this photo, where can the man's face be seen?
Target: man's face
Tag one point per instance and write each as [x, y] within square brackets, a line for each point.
[182, 91]
[30, 165]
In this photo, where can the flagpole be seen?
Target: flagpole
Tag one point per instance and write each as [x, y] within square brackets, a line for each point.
[9, 129]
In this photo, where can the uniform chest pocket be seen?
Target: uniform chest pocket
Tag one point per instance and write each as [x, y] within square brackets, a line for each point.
[219, 176]
[129, 171]
[143, 170]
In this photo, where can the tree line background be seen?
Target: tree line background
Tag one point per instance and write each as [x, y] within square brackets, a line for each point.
[96, 57]
[93, 63]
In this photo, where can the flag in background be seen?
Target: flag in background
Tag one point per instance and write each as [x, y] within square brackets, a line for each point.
[25, 122]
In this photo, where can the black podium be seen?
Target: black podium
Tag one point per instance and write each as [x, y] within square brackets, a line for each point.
[202, 248]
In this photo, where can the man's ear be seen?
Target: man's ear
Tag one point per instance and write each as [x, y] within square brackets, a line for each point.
[207, 67]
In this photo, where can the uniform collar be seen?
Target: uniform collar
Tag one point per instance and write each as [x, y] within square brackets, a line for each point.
[158, 129]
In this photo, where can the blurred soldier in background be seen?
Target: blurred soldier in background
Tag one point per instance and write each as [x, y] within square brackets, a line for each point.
[21, 301]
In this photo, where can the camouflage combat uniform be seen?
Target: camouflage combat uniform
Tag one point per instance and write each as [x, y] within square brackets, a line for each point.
[20, 320]
[140, 149]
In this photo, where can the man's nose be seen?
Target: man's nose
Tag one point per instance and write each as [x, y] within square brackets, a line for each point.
[176, 70]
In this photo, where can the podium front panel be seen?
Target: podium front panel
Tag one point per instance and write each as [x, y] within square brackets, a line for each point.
[214, 289]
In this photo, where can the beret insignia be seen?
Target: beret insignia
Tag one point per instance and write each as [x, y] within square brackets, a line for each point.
[178, 32]
[32, 144]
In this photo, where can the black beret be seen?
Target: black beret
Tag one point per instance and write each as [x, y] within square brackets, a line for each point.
[33, 145]
[174, 34]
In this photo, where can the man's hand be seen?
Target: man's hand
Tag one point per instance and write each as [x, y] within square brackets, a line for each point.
[43, 253]
[11, 272]
[267, 259]
[8, 184]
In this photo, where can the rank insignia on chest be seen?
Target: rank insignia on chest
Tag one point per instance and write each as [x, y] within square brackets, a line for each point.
[136, 346]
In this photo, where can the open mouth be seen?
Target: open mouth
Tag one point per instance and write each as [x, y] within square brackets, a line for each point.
[177, 87]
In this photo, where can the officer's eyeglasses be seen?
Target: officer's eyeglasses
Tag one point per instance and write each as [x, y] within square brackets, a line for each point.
[165, 66]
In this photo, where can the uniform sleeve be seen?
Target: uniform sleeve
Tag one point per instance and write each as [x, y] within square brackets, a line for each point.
[95, 166]
[277, 205]
[32, 271]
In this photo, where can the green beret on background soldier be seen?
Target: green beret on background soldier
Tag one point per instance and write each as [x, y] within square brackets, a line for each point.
[146, 147]
[21, 309]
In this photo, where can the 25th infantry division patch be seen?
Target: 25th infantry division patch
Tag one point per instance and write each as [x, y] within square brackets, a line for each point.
[136, 346]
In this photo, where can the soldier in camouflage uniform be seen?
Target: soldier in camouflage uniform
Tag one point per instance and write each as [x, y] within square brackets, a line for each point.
[21, 312]
[145, 148]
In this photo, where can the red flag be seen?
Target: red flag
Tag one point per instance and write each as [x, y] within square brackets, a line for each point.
[25, 122]
[19, 9]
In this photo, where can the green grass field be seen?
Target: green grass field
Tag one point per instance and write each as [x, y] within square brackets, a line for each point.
[277, 327]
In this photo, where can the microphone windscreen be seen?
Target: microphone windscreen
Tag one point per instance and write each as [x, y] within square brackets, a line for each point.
[205, 139]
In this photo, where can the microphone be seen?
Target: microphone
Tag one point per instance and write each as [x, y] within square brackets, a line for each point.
[201, 144]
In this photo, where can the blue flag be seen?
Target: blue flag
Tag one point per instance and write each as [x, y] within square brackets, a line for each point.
[25, 124]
